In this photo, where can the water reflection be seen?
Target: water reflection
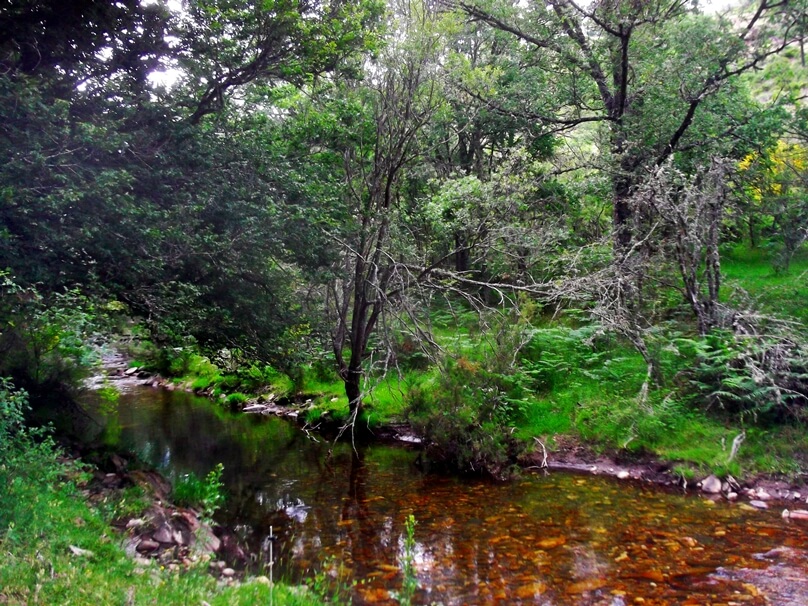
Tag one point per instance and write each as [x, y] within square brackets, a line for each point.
[559, 539]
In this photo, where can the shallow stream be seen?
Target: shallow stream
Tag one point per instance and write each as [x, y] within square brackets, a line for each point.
[540, 539]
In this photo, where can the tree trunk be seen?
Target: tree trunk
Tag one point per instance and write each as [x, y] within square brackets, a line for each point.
[353, 389]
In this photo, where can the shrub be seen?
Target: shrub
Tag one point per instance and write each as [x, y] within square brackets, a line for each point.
[206, 494]
[46, 343]
[465, 416]
[236, 400]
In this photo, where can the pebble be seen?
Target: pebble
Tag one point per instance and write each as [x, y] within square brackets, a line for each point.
[228, 572]
[711, 485]
[757, 504]
[623, 475]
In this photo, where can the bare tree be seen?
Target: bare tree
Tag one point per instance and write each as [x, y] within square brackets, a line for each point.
[690, 212]
[402, 95]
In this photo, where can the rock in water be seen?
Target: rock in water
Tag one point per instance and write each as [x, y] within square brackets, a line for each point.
[711, 485]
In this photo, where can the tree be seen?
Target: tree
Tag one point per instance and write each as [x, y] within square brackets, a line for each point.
[392, 106]
[225, 45]
[199, 226]
[775, 186]
[647, 72]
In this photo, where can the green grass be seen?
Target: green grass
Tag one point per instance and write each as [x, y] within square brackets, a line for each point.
[783, 294]
[57, 549]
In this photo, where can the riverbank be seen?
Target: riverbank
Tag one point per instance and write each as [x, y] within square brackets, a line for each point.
[82, 528]
[572, 538]
[567, 453]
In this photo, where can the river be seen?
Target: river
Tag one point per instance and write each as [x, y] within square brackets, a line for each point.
[540, 539]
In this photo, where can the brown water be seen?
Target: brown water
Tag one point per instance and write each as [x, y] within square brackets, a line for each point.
[542, 539]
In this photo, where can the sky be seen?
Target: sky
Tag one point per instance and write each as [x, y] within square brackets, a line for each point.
[715, 6]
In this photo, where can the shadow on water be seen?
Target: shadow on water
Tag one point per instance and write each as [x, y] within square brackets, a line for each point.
[542, 539]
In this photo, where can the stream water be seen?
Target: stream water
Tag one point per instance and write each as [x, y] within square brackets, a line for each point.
[540, 539]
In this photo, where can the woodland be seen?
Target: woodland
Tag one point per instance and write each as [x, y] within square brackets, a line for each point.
[513, 227]
[498, 222]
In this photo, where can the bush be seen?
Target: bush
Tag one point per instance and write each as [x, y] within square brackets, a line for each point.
[236, 401]
[466, 416]
[28, 461]
[46, 343]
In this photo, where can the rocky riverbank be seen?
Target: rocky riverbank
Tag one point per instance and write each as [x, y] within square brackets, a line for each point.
[173, 536]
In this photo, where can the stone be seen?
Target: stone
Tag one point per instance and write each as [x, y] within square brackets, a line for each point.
[228, 572]
[732, 496]
[711, 485]
[131, 371]
[757, 504]
[147, 546]
[797, 514]
[207, 541]
[262, 580]
[762, 495]
[164, 534]
[623, 475]
[135, 523]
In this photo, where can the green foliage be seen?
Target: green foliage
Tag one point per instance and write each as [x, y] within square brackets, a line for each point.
[754, 378]
[235, 401]
[621, 422]
[45, 341]
[466, 415]
[205, 494]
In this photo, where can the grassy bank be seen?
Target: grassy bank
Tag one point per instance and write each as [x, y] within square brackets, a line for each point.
[58, 547]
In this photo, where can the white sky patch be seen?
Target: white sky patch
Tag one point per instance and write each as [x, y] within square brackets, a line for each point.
[165, 78]
[717, 6]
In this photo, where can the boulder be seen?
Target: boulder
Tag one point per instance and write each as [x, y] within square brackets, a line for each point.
[164, 534]
[147, 546]
[711, 485]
